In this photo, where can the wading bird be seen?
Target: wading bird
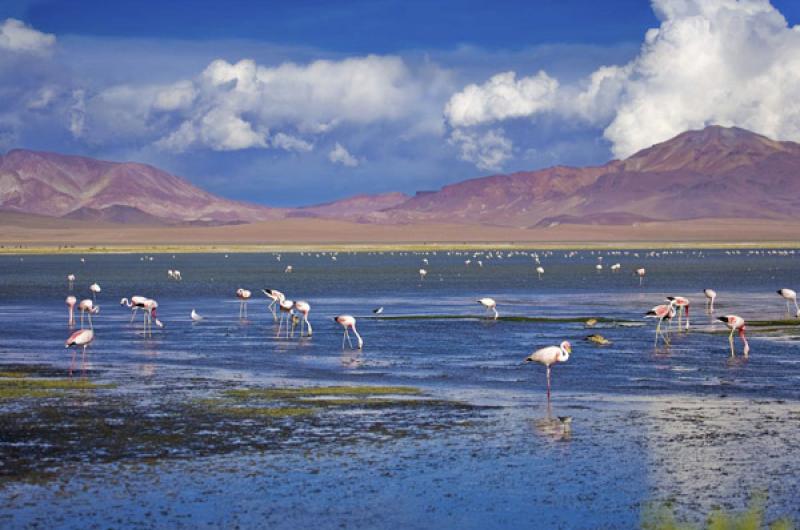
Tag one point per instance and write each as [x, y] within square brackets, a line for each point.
[243, 295]
[681, 302]
[88, 307]
[490, 305]
[150, 308]
[790, 296]
[540, 271]
[422, 274]
[304, 308]
[348, 322]
[195, 316]
[95, 288]
[378, 310]
[286, 308]
[81, 339]
[641, 272]
[736, 323]
[71, 301]
[711, 295]
[135, 303]
[276, 297]
[661, 312]
[549, 356]
[70, 280]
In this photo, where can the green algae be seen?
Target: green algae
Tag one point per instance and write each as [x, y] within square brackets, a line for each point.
[20, 387]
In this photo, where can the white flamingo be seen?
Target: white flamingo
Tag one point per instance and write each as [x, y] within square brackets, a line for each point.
[490, 305]
[549, 356]
[348, 322]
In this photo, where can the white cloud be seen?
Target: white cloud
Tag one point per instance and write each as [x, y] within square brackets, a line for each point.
[17, 37]
[291, 143]
[487, 150]
[340, 155]
[501, 97]
[245, 99]
[727, 62]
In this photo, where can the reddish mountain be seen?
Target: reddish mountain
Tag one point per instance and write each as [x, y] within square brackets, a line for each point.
[714, 172]
[84, 188]
[352, 207]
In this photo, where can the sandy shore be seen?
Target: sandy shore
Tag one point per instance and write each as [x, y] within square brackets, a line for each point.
[33, 234]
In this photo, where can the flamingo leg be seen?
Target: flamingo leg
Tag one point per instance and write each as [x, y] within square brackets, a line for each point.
[730, 340]
[347, 334]
[280, 323]
[91, 326]
[344, 335]
[548, 384]
[133, 313]
[81, 318]
[83, 360]
[72, 362]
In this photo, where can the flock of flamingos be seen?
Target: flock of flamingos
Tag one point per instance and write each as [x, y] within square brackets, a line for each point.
[293, 312]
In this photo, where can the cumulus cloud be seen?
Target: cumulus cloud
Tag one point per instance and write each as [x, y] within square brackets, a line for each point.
[727, 62]
[18, 37]
[233, 105]
[488, 150]
[340, 155]
[501, 97]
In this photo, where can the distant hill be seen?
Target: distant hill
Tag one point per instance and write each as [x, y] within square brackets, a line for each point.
[716, 172]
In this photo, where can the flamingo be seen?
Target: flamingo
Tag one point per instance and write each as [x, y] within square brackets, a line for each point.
[490, 305]
[736, 323]
[70, 280]
[81, 338]
[275, 296]
[641, 272]
[422, 274]
[288, 269]
[177, 275]
[662, 312]
[286, 308]
[243, 295]
[304, 308]
[549, 356]
[135, 303]
[150, 308]
[349, 322]
[540, 271]
[95, 288]
[711, 295]
[681, 302]
[87, 306]
[195, 316]
[790, 296]
[71, 301]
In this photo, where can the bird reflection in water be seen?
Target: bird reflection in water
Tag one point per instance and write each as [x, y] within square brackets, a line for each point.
[556, 428]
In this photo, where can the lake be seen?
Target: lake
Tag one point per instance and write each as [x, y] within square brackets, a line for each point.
[435, 423]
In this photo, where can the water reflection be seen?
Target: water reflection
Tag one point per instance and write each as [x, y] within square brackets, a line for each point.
[555, 428]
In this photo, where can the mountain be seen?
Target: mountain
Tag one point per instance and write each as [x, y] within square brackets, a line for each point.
[714, 172]
[84, 188]
[351, 208]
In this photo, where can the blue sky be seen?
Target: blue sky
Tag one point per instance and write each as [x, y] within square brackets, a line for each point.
[288, 103]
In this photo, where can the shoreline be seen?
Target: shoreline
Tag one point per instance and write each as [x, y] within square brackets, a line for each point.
[43, 249]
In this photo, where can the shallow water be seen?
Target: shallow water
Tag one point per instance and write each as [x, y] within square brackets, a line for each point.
[685, 423]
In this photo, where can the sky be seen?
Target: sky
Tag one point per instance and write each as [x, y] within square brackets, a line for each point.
[305, 101]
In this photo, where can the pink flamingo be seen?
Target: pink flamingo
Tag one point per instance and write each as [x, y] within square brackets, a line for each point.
[95, 288]
[286, 308]
[662, 312]
[348, 322]
[275, 296]
[681, 302]
[71, 301]
[81, 338]
[549, 356]
[736, 323]
[711, 295]
[135, 303]
[88, 307]
[304, 308]
[150, 308]
[243, 295]
[70, 280]
[641, 272]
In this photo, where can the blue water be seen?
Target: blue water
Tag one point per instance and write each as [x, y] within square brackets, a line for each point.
[685, 423]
